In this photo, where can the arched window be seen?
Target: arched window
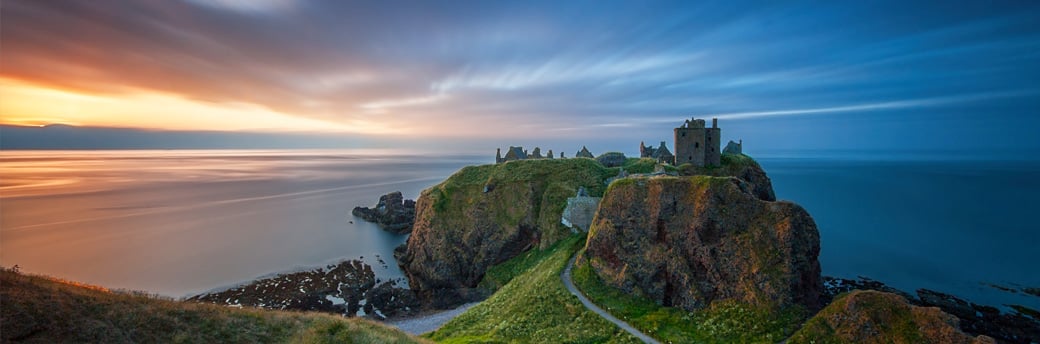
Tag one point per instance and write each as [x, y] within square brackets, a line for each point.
[696, 145]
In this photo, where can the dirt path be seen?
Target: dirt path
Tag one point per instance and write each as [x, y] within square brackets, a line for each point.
[430, 322]
[566, 276]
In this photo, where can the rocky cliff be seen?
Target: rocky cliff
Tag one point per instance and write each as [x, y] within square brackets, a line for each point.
[879, 317]
[392, 213]
[485, 215]
[740, 166]
[689, 241]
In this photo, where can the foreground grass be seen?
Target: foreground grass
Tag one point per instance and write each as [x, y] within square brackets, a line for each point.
[722, 322]
[533, 307]
[43, 310]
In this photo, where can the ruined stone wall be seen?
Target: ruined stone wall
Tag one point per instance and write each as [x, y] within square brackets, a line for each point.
[689, 146]
[712, 142]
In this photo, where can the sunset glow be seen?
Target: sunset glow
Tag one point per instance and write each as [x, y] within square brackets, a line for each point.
[28, 104]
[512, 73]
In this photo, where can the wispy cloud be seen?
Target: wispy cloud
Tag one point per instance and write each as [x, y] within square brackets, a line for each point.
[888, 105]
[535, 68]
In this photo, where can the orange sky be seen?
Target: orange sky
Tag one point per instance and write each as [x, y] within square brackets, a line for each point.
[31, 104]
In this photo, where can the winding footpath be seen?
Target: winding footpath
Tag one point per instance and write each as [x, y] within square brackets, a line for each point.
[566, 276]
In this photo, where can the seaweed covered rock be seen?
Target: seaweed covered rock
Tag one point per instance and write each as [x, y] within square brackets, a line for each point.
[484, 215]
[740, 166]
[689, 241]
[879, 317]
[392, 213]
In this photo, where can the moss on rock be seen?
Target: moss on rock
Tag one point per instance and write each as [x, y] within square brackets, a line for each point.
[878, 317]
[484, 215]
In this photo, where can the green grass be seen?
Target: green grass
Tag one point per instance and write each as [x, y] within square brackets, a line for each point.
[533, 307]
[731, 165]
[521, 193]
[645, 165]
[887, 316]
[501, 274]
[46, 310]
[722, 322]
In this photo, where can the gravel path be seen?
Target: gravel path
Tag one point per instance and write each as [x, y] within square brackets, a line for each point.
[430, 322]
[566, 276]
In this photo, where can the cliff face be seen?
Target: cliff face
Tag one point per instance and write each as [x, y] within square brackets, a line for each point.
[485, 215]
[688, 241]
[878, 317]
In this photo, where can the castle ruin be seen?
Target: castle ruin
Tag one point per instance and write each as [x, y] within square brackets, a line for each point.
[661, 153]
[519, 153]
[695, 144]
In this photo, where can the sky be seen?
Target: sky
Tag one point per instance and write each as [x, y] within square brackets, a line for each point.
[830, 75]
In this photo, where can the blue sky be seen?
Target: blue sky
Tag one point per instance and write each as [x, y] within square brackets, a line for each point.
[932, 76]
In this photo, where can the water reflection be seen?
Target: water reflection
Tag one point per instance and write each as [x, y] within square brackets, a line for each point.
[179, 222]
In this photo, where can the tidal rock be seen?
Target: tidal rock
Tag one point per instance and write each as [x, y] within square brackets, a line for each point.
[689, 241]
[392, 213]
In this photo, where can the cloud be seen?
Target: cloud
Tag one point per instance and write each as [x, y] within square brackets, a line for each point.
[531, 68]
[889, 105]
[249, 6]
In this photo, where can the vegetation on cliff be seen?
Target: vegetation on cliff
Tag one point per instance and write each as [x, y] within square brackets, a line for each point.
[740, 166]
[690, 241]
[533, 307]
[43, 310]
[484, 215]
[879, 317]
[722, 322]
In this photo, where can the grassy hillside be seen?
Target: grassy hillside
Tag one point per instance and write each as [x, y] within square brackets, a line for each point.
[43, 310]
[517, 193]
[532, 307]
[722, 322]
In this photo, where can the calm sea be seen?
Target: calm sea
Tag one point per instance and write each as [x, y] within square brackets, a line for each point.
[183, 222]
[950, 226]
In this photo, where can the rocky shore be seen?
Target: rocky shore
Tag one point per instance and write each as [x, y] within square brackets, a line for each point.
[349, 288]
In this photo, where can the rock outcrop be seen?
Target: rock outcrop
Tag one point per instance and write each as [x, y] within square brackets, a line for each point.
[740, 166]
[485, 215]
[879, 317]
[689, 241]
[392, 213]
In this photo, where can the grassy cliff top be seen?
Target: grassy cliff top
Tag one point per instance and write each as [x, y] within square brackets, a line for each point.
[731, 165]
[45, 310]
[583, 171]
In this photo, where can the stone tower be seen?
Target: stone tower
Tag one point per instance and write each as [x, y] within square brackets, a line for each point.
[713, 144]
[695, 144]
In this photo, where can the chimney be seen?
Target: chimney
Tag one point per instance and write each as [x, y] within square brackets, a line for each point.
[714, 122]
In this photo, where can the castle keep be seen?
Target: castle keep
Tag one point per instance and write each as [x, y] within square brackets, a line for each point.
[695, 144]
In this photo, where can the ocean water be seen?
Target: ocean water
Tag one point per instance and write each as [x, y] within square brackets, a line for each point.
[182, 222]
[950, 226]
